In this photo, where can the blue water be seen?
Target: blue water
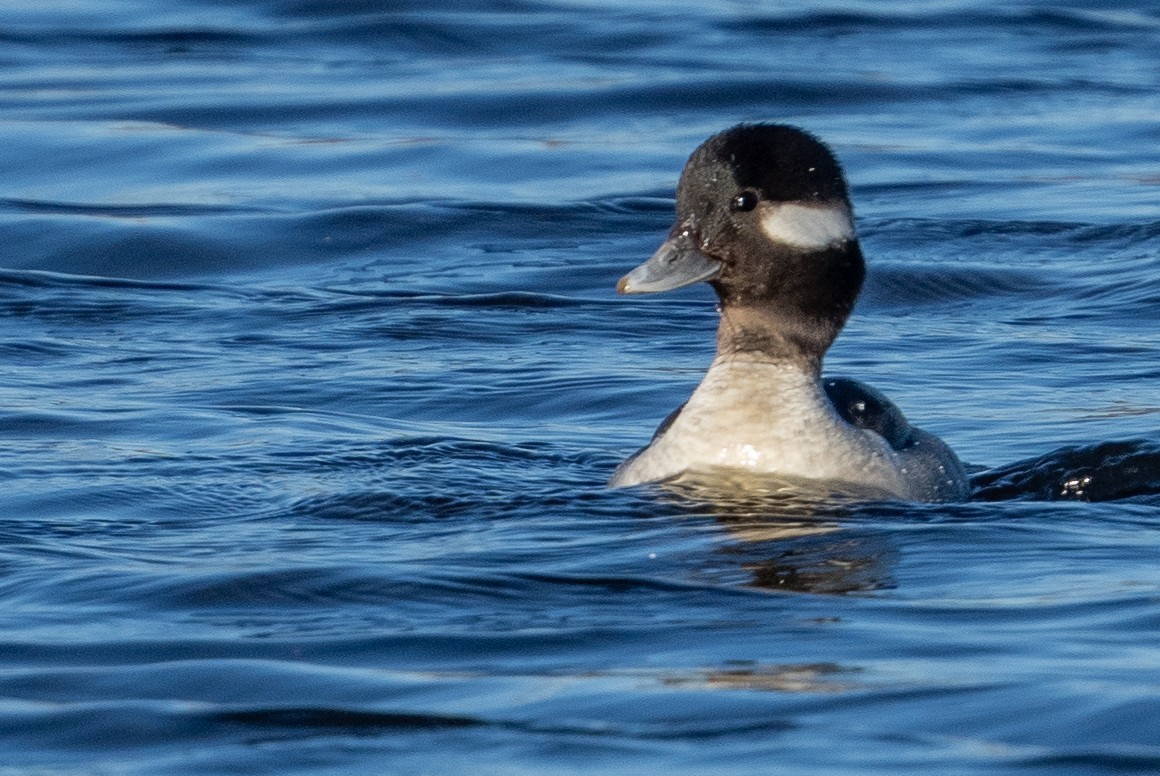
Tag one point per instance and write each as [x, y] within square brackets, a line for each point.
[313, 373]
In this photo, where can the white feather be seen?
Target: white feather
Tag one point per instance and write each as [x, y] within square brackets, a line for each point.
[812, 227]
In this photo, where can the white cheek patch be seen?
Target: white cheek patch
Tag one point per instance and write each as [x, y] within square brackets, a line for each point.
[812, 227]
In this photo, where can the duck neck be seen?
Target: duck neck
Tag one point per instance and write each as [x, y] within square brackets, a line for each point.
[762, 334]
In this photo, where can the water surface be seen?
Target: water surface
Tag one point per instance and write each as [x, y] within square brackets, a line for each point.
[314, 373]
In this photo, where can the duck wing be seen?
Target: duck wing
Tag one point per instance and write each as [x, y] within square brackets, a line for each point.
[864, 407]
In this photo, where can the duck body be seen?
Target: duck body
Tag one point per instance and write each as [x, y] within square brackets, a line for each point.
[772, 419]
[764, 217]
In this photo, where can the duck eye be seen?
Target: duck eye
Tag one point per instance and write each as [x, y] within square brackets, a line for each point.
[745, 201]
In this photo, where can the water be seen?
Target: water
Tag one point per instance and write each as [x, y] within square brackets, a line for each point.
[314, 372]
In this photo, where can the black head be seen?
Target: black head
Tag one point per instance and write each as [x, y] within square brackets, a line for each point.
[769, 203]
[779, 162]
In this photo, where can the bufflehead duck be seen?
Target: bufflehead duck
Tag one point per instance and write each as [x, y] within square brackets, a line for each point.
[764, 217]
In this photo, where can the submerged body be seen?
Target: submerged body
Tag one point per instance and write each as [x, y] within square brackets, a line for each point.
[763, 216]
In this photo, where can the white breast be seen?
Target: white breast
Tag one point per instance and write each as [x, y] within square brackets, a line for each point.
[769, 419]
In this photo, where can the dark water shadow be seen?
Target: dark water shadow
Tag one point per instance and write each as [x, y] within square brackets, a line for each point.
[1127, 470]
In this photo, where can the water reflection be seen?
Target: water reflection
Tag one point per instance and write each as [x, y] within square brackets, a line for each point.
[790, 677]
[790, 535]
